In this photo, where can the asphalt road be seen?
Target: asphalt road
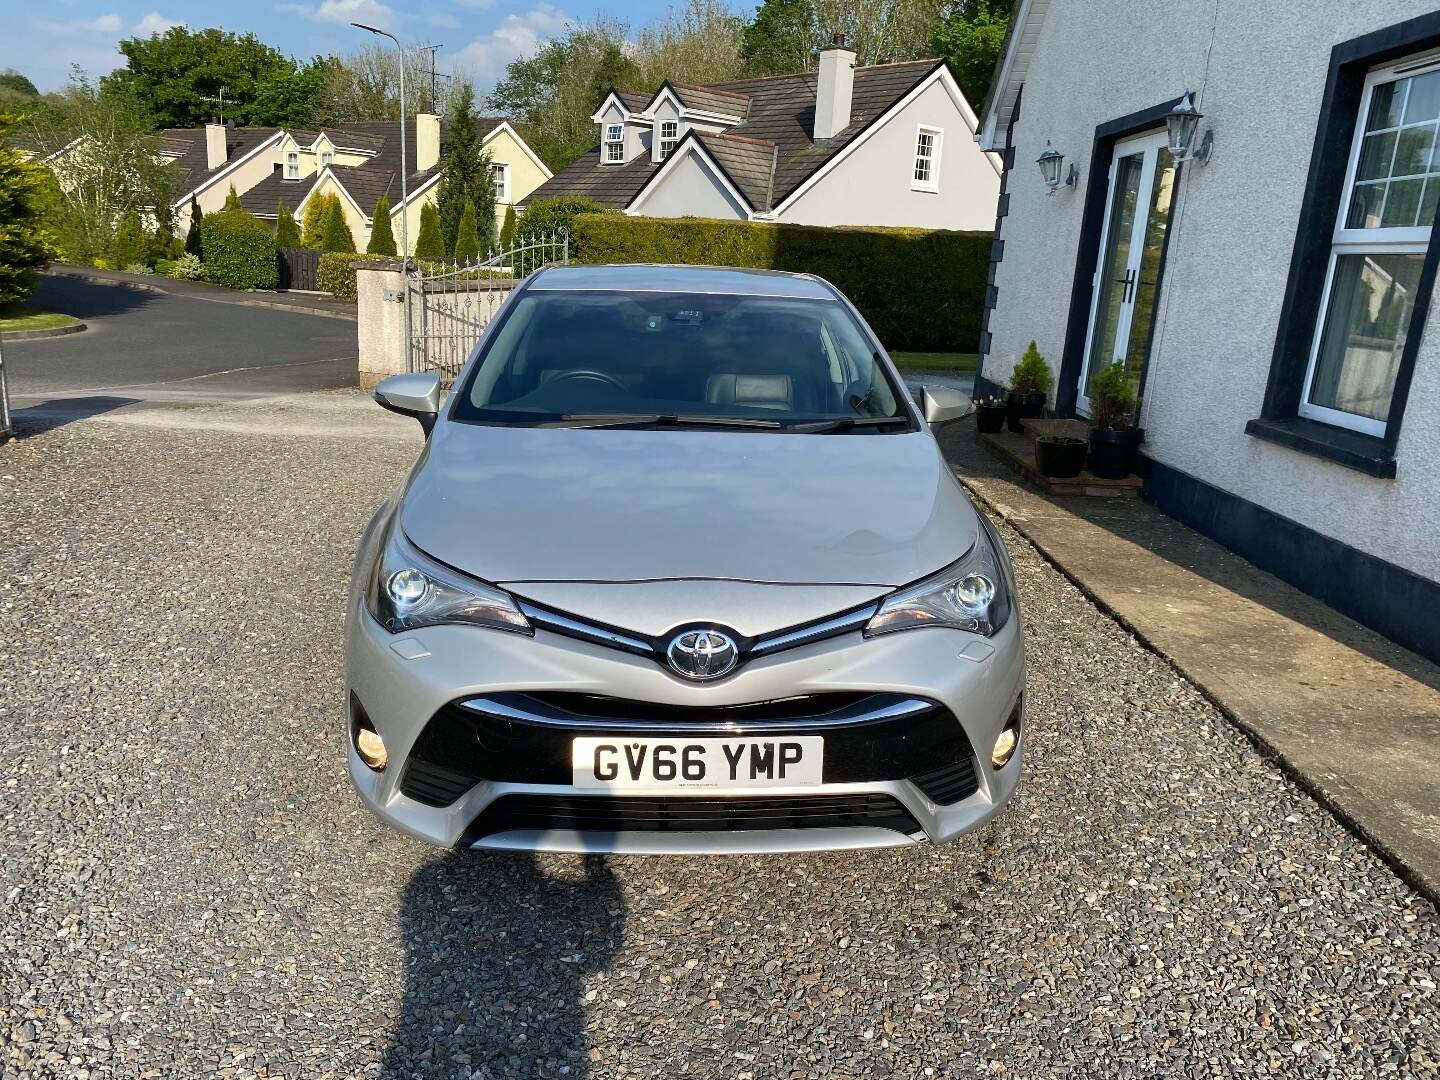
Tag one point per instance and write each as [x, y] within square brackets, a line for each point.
[147, 345]
[188, 886]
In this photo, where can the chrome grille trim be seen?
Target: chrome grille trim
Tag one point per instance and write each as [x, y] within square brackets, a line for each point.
[487, 706]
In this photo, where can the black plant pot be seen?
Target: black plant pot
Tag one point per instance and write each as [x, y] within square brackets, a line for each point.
[1060, 456]
[1024, 407]
[990, 418]
[1112, 451]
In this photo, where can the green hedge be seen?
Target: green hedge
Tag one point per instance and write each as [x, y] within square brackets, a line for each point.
[240, 251]
[546, 217]
[920, 289]
[336, 274]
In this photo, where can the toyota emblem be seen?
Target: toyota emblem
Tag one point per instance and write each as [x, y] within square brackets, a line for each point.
[702, 654]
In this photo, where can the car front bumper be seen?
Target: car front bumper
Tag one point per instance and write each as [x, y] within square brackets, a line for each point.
[404, 682]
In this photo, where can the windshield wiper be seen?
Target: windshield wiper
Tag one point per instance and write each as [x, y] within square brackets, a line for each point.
[850, 423]
[604, 420]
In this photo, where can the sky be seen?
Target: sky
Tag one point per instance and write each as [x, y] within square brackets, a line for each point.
[43, 39]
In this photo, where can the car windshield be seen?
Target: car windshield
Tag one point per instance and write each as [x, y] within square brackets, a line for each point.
[613, 359]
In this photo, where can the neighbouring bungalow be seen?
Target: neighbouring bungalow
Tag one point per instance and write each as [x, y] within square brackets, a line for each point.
[270, 167]
[1264, 270]
[891, 144]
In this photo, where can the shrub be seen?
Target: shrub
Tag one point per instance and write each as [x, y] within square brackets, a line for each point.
[240, 251]
[26, 243]
[467, 236]
[317, 210]
[507, 229]
[337, 235]
[232, 200]
[1031, 375]
[545, 217]
[336, 274]
[919, 289]
[1113, 403]
[287, 233]
[131, 246]
[430, 244]
[136, 268]
[187, 268]
[382, 237]
[194, 243]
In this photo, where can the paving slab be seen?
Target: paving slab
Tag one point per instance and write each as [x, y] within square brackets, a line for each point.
[1352, 716]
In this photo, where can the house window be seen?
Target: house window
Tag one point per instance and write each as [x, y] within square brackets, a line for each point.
[614, 142]
[292, 165]
[1392, 185]
[926, 175]
[326, 157]
[669, 136]
[500, 174]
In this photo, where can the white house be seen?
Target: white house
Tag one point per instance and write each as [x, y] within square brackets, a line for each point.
[891, 144]
[1267, 282]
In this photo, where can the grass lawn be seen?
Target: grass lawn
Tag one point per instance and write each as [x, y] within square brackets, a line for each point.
[20, 317]
[956, 362]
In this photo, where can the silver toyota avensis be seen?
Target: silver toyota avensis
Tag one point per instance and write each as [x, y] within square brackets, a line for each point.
[681, 569]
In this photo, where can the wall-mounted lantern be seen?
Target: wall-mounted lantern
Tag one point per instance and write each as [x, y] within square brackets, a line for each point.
[1181, 124]
[1050, 161]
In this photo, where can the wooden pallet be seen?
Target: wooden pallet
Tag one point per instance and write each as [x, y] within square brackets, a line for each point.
[1018, 451]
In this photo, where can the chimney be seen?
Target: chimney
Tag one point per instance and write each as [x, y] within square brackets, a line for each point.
[427, 141]
[215, 145]
[834, 87]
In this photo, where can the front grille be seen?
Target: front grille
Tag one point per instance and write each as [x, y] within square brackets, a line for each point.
[951, 783]
[432, 784]
[605, 814]
[798, 708]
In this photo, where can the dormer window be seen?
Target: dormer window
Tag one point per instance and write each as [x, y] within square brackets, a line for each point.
[614, 143]
[326, 157]
[292, 165]
[669, 136]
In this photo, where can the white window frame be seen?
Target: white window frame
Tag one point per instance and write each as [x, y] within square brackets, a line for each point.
[292, 165]
[668, 142]
[327, 157]
[500, 175]
[1404, 240]
[932, 160]
[614, 137]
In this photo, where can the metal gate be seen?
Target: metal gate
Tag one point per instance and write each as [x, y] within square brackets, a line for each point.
[450, 305]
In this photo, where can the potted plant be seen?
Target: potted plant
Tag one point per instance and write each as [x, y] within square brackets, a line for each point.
[990, 411]
[1059, 456]
[1114, 438]
[1029, 385]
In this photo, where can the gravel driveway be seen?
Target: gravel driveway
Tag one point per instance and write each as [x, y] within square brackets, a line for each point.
[188, 887]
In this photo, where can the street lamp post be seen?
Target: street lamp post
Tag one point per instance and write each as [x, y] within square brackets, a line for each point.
[404, 193]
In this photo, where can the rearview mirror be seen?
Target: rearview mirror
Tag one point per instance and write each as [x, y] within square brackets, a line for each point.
[941, 405]
[415, 394]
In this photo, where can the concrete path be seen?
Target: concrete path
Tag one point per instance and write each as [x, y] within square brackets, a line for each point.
[1353, 717]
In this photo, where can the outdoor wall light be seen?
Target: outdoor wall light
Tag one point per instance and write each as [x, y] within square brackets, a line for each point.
[1181, 123]
[1050, 161]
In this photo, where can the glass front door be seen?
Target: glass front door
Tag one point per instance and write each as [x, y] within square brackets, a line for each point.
[1127, 280]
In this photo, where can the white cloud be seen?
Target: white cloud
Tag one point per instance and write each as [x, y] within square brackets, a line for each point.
[342, 11]
[517, 35]
[154, 23]
[443, 21]
[101, 24]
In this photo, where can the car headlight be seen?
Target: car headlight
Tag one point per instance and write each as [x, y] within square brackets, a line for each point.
[973, 594]
[408, 590]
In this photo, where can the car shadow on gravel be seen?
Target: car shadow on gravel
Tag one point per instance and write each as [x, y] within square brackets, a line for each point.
[57, 412]
[497, 950]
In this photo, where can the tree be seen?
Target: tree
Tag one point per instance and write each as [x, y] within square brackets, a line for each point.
[467, 237]
[131, 246]
[700, 44]
[316, 212]
[287, 233]
[296, 98]
[507, 230]
[10, 79]
[232, 199]
[25, 244]
[365, 85]
[337, 235]
[162, 245]
[172, 74]
[382, 237]
[970, 40]
[194, 245]
[783, 37]
[107, 162]
[465, 177]
[430, 244]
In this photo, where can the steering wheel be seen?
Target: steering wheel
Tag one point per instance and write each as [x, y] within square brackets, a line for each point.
[593, 376]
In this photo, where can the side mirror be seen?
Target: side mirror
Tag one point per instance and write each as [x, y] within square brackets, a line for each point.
[941, 405]
[414, 394]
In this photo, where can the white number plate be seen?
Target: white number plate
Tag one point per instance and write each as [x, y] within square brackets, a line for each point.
[672, 764]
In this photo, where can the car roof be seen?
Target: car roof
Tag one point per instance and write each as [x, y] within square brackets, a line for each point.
[681, 279]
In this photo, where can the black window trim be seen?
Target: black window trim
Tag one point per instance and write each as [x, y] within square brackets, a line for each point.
[1280, 421]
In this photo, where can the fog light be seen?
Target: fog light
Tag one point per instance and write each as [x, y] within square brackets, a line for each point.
[371, 748]
[1004, 747]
